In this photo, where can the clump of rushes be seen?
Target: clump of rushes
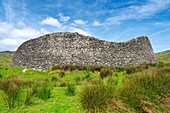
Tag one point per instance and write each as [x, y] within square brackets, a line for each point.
[54, 78]
[30, 92]
[62, 84]
[57, 67]
[44, 90]
[87, 74]
[11, 88]
[78, 80]
[70, 90]
[96, 97]
[61, 73]
[144, 90]
[105, 72]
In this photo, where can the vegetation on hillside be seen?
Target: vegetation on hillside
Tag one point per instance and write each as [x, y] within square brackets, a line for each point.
[6, 59]
[163, 56]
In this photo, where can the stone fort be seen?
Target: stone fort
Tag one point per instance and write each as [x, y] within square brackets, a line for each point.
[65, 48]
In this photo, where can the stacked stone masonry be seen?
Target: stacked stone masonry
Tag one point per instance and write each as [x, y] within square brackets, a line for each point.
[72, 48]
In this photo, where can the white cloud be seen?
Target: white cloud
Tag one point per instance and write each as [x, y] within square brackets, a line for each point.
[51, 21]
[80, 22]
[138, 12]
[80, 31]
[10, 44]
[73, 24]
[44, 31]
[21, 24]
[96, 23]
[26, 32]
[5, 27]
[12, 36]
[63, 18]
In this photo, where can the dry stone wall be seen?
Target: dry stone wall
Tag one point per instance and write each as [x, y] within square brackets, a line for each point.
[72, 48]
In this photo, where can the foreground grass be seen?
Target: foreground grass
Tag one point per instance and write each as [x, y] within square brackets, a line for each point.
[59, 103]
[148, 90]
[127, 90]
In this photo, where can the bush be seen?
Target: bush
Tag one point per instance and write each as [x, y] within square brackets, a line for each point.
[118, 69]
[11, 88]
[143, 90]
[62, 84]
[87, 74]
[130, 69]
[160, 64]
[70, 90]
[30, 92]
[1, 75]
[78, 80]
[54, 78]
[105, 72]
[96, 97]
[86, 77]
[44, 91]
[57, 67]
[61, 73]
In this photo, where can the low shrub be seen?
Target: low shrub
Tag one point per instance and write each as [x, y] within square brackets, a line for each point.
[61, 73]
[96, 97]
[54, 78]
[62, 84]
[30, 92]
[144, 90]
[44, 91]
[96, 68]
[87, 74]
[130, 69]
[105, 72]
[118, 69]
[57, 67]
[160, 64]
[11, 88]
[70, 90]
[78, 80]
[86, 77]
[17, 91]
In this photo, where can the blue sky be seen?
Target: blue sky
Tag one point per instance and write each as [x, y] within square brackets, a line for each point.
[112, 20]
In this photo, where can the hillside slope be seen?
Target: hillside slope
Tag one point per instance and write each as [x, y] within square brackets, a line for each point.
[163, 56]
[6, 58]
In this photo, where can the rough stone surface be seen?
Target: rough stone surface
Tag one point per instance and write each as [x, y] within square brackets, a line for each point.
[72, 48]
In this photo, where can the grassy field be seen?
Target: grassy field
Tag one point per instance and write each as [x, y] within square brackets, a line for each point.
[133, 89]
[163, 56]
[6, 58]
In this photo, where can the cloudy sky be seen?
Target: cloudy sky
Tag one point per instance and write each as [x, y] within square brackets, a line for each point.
[112, 20]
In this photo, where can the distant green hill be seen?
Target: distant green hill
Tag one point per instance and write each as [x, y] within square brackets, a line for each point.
[6, 58]
[163, 56]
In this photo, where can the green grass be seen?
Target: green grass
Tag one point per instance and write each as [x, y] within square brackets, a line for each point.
[59, 103]
[144, 90]
[163, 56]
[6, 59]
